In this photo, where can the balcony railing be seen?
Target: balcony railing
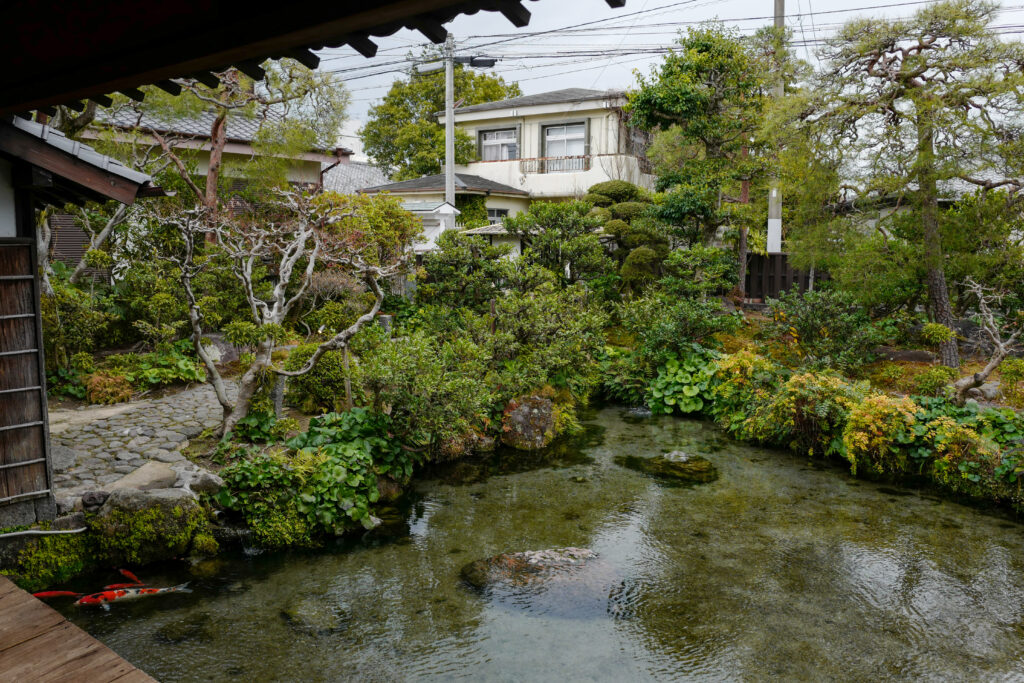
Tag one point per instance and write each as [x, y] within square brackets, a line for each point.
[555, 164]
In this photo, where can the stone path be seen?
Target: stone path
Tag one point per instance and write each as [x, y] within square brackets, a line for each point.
[95, 446]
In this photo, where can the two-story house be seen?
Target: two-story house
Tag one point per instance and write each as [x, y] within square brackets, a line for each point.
[555, 145]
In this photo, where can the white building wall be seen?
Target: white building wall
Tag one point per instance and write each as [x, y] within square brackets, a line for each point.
[607, 158]
[8, 216]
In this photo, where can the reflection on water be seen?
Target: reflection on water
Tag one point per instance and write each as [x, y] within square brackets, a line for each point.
[777, 570]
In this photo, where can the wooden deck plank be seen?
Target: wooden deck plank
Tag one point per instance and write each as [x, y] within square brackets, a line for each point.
[38, 644]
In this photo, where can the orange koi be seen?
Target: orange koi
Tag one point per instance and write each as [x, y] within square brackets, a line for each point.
[115, 592]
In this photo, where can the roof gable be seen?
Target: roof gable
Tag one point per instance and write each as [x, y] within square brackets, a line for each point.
[435, 183]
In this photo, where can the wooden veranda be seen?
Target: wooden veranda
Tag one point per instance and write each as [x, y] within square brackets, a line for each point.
[38, 644]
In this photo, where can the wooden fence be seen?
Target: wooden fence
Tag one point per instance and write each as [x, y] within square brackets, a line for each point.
[24, 471]
[769, 276]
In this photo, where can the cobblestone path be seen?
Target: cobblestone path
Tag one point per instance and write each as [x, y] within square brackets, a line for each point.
[96, 446]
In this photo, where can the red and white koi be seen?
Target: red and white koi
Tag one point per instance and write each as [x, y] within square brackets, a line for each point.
[116, 592]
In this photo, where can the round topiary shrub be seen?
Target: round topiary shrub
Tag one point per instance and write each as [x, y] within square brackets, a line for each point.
[598, 199]
[627, 211]
[616, 227]
[617, 190]
[322, 389]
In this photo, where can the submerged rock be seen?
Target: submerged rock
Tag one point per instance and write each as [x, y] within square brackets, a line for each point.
[528, 423]
[315, 615]
[677, 465]
[518, 569]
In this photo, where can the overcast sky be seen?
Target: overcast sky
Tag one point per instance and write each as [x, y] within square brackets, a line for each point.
[539, 63]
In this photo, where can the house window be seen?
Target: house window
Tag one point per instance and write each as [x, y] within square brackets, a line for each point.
[499, 145]
[564, 147]
[495, 215]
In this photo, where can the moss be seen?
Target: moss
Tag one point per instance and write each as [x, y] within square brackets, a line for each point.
[280, 526]
[148, 535]
[51, 560]
[203, 543]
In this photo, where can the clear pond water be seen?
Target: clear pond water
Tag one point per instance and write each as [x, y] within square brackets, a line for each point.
[779, 570]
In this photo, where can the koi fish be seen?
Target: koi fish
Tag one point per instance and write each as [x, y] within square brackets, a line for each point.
[108, 596]
[116, 591]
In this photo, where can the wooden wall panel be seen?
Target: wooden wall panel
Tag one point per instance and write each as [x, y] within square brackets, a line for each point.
[24, 466]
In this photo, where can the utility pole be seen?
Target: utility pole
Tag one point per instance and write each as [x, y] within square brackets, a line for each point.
[775, 187]
[449, 119]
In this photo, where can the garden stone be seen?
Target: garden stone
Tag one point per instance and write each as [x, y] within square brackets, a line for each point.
[528, 423]
[206, 482]
[677, 466]
[990, 390]
[315, 614]
[905, 355]
[62, 457]
[170, 457]
[139, 527]
[152, 475]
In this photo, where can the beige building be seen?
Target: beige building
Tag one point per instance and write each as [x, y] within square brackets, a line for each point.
[555, 145]
[501, 200]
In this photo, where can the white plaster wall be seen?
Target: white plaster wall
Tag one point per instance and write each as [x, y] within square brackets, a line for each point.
[8, 216]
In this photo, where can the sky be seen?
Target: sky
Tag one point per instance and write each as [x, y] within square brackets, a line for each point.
[605, 48]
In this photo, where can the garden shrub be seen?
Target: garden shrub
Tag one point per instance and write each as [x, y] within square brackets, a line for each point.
[934, 334]
[824, 329]
[169, 364]
[640, 267]
[698, 271]
[741, 382]
[628, 211]
[598, 200]
[683, 383]
[71, 323]
[808, 414]
[624, 376]
[322, 389]
[617, 190]
[876, 434]
[664, 325]
[964, 461]
[934, 381]
[107, 388]
[1011, 375]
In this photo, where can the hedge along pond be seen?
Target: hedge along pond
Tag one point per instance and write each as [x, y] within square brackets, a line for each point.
[782, 567]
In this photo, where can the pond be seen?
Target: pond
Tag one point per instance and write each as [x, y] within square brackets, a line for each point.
[778, 569]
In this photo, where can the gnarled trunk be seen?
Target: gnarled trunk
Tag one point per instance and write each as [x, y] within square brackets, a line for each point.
[938, 293]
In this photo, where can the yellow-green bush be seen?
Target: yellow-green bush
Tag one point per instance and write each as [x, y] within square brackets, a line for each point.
[322, 389]
[741, 381]
[933, 381]
[1011, 377]
[964, 460]
[808, 413]
[874, 429]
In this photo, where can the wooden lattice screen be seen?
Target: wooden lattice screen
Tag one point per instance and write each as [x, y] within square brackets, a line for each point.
[24, 466]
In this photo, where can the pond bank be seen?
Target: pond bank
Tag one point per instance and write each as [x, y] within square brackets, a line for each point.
[781, 568]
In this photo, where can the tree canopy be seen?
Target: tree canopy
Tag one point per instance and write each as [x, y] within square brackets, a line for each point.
[402, 134]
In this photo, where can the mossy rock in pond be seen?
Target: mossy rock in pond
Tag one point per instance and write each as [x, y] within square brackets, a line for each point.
[675, 466]
[519, 569]
[315, 615]
[139, 527]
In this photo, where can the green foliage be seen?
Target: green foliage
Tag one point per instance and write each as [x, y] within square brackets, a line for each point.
[823, 329]
[808, 414]
[170, 364]
[473, 208]
[664, 325]
[624, 376]
[628, 211]
[616, 191]
[72, 323]
[402, 134]
[1011, 375]
[327, 486]
[935, 333]
[743, 381]
[598, 200]
[322, 389]
[698, 271]
[464, 271]
[261, 427]
[560, 236]
[683, 383]
[433, 390]
[934, 381]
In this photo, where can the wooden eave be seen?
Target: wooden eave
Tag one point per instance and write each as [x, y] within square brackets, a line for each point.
[87, 50]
